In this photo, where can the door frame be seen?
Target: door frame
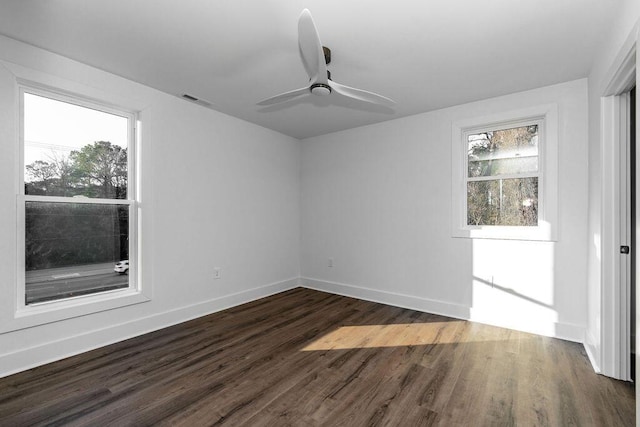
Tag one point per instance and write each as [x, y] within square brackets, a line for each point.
[616, 222]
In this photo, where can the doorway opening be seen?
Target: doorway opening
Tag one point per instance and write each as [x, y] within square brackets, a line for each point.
[618, 250]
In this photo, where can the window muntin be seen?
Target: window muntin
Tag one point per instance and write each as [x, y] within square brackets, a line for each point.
[78, 211]
[502, 171]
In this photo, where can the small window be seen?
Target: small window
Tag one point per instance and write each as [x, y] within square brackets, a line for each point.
[505, 176]
[78, 201]
[502, 176]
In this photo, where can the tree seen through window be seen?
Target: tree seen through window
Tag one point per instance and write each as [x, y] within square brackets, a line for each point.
[502, 177]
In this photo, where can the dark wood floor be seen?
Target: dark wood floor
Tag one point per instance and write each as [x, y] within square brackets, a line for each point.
[309, 358]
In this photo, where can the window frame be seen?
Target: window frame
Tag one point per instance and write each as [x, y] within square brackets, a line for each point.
[545, 116]
[27, 315]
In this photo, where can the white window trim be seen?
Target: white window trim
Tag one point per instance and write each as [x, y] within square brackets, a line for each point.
[547, 116]
[24, 315]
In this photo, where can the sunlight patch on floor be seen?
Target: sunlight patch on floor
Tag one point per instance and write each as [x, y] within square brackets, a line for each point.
[394, 335]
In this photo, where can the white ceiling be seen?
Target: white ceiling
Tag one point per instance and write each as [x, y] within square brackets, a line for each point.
[425, 55]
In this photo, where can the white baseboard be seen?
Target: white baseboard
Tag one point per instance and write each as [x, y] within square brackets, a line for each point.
[41, 354]
[22, 360]
[389, 298]
[563, 331]
[592, 353]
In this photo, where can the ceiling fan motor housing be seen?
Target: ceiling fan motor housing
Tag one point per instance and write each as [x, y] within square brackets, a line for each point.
[320, 89]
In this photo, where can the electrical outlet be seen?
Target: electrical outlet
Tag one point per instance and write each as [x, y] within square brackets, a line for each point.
[217, 273]
[330, 263]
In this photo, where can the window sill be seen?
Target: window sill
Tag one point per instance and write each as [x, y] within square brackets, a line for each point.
[49, 312]
[543, 233]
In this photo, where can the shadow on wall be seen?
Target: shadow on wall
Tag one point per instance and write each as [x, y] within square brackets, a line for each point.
[512, 292]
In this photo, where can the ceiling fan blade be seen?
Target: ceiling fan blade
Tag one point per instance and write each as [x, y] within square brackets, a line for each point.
[287, 96]
[361, 95]
[311, 49]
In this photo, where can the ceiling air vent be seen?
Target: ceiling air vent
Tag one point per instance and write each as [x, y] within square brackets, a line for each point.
[196, 100]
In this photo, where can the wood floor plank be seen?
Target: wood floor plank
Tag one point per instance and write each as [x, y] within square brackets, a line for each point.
[304, 358]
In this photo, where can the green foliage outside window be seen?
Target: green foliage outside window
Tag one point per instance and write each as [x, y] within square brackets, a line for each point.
[97, 170]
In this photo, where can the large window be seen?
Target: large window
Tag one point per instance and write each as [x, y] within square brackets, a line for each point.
[505, 175]
[78, 204]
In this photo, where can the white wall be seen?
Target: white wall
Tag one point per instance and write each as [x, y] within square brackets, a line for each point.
[377, 200]
[607, 60]
[216, 192]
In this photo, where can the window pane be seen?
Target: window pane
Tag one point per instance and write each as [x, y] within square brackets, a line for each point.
[71, 150]
[505, 151]
[72, 249]
[503, 202]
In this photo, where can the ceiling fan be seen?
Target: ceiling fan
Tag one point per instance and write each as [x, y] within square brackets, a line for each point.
[315, 58]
